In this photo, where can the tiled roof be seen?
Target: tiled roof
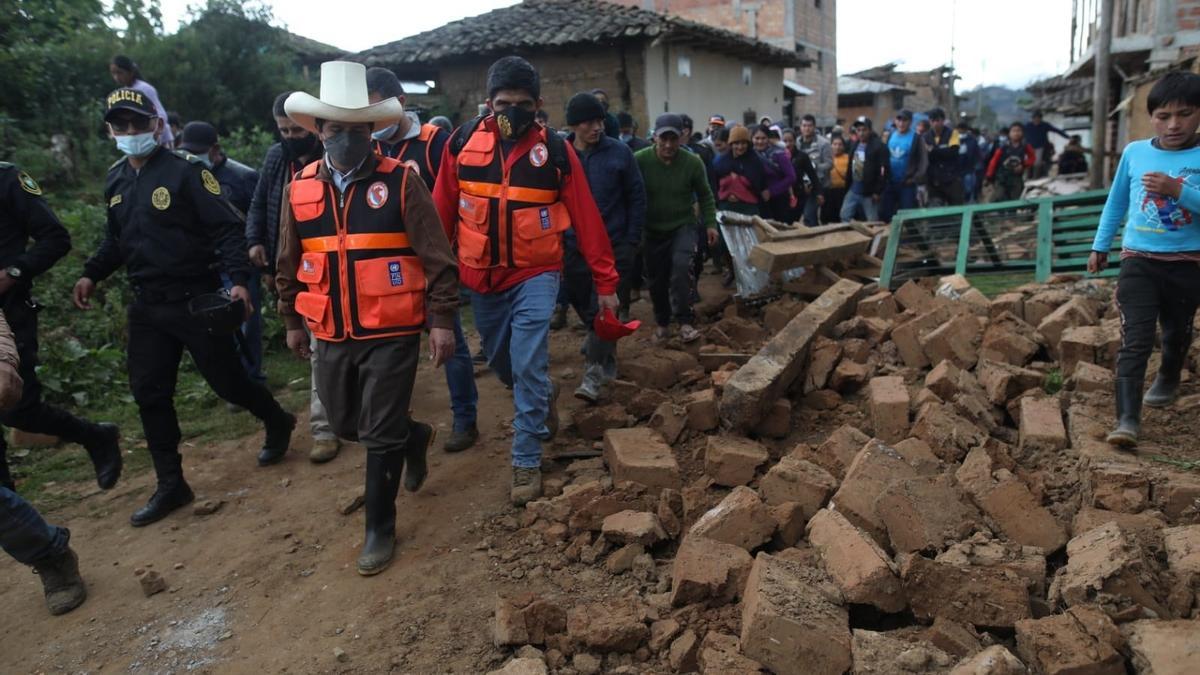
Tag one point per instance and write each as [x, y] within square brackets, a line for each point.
[1066, 95]
[557, 24]
[850, 85]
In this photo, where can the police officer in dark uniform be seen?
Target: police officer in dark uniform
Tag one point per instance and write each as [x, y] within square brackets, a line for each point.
[171, 229]
[24, 215]
[237, 185]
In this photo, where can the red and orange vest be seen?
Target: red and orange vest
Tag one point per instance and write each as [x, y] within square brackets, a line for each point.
[508, 217]
[364, 280]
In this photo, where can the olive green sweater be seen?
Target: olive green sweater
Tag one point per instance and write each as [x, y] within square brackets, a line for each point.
[672, 190]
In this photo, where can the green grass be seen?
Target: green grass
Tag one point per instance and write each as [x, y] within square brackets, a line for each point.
[992, 285]
[1054, 382]
[43, 473]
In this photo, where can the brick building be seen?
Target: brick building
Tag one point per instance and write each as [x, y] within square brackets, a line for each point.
[877, 101]
[802, 25]
[646, 62]
[927, 89]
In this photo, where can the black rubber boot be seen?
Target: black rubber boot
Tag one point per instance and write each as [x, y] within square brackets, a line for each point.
[383, 482]
[171, 493]
[420, 437]
[279, 437]
[1129, 413]
[104, 447]
[1165, 388]
[61, 582]
[6, 479]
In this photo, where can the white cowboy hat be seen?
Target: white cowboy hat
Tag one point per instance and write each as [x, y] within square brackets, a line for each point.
[343, 99]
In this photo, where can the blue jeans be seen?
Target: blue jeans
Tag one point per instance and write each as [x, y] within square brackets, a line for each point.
[24, 534]
[515, 327]
[252, 330]
[856, 202]
[897, 196]
[460, 380]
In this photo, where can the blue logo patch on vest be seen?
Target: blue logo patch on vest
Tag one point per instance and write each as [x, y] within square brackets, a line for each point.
[544, 214]
[394, 272]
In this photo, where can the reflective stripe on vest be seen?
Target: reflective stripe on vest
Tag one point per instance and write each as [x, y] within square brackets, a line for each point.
[508, 216]
[364, 280]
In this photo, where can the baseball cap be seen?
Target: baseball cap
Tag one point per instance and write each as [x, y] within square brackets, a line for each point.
[128, 99]
[668, 123]
[904, 114]
[863, 121]
[717, 121]
[198, 137]
[610, 329]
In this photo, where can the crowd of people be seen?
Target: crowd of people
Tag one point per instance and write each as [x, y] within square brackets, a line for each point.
[371, 228]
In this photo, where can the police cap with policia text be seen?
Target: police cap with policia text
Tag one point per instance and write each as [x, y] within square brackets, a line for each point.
[129, 99]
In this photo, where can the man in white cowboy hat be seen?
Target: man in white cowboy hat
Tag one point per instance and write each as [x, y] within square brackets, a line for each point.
[362, 254]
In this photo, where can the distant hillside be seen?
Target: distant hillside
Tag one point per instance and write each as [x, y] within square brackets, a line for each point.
[1000, 105]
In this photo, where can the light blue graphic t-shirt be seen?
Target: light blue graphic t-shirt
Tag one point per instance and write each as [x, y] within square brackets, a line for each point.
[1154, 222]
[900, 148]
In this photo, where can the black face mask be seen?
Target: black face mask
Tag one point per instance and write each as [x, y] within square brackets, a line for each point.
[514, 121]
[299, 147]
[348, 149]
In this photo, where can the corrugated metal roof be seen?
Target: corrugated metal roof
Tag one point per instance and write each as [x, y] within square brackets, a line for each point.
[848, 84]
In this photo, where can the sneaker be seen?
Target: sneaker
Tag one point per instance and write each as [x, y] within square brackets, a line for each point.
[687, 333]
[661, 334]
[551, 416]
[588, 391]
[61, 582]
[324, 450]
[526, 485]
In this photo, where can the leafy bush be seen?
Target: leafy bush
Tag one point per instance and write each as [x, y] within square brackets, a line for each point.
[248, 145]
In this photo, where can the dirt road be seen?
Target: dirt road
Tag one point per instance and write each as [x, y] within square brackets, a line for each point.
[267, 584]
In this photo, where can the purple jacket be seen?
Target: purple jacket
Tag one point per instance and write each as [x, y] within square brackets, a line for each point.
[780, 173]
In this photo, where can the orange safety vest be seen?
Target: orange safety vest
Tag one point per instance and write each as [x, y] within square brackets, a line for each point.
[364, 280]
[416, 150]
[510, 217]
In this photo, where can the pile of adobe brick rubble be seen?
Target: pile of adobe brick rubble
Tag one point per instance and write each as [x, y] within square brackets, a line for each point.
[946, 514]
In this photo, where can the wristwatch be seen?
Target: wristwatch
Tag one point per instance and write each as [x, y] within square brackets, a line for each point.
[13, 271]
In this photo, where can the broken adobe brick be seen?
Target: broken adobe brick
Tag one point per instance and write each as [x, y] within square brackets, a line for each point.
[956, 340]
[731, 461]
[912, 296]
[875, 465]
[1115, 486]
[669, 420]
[633, 527]
[822, 359]
[611, 626]
[1096, 345]
[995, 660]
[1163, 647]
[720, 653]
[1013, 303]
[953, 637]
[1075, 312]
[1027, 562]
[948, 434]
[792, 622]
[592, 422]
[925, 514]
[706, 570]
[1077, 641]
[989, 597]
[909, 337]
[1003, 381]
[640, 455]
[859, 567]
[889, 405]
[1042, 428]
[849, 376]
[1043, 303]
[878, 653]
[1107, 567]
[800, 481]
[880, 305]
[700, 408]
[1182, 545]
[1017, 513]
[1090, 377]
[526, 619]
[919, 456]
[839, 449]
[740, 519]
[1177, 495]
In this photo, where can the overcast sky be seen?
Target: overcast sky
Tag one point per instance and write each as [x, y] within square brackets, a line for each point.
[1011, 42]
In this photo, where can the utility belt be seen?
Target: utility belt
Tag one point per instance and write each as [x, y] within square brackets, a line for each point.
[175, 290]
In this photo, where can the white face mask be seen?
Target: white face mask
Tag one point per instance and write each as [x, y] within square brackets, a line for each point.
[137, 145]
[385, 133]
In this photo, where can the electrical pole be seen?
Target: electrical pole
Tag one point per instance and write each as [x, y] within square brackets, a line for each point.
[1101, 61]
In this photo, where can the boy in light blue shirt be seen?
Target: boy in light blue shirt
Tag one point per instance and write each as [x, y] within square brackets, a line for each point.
[1156, 191]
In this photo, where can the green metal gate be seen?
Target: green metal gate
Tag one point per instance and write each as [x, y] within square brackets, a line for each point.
[1045, 236]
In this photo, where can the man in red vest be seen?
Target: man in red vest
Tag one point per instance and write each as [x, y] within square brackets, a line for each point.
[361, 256]
[506, 191]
